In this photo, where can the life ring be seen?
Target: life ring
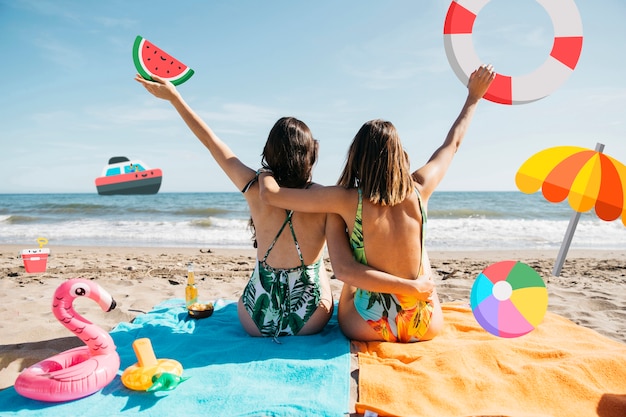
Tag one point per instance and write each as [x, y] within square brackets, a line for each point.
[566, 49]
[81, 371]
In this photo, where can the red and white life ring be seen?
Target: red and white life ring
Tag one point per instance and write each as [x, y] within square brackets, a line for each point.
[568, 42]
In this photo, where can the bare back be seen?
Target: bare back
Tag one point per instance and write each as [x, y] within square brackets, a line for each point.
[392, 236]
[309, 229]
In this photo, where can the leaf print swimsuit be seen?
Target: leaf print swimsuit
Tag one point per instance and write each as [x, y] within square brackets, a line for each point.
[395, 317]
[280, 301]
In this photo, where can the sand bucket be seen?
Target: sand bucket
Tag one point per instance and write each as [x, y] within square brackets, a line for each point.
[36, 260]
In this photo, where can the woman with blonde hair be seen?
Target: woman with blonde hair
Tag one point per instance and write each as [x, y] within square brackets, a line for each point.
[384, 206]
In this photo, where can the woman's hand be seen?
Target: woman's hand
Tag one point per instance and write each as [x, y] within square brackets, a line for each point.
[480, 80]
[424, 287]
[159, 88]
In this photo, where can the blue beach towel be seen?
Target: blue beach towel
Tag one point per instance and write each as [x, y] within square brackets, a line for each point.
[231, 374]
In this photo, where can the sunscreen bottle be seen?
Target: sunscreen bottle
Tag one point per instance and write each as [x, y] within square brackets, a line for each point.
[191, 291]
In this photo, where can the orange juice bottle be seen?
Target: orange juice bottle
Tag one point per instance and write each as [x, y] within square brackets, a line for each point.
[191, 291]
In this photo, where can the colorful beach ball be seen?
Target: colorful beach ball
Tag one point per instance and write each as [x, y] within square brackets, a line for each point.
[509, 299]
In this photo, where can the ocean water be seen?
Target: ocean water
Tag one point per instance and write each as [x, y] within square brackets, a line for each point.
[457, 221]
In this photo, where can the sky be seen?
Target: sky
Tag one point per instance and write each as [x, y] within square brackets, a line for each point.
[69, 102]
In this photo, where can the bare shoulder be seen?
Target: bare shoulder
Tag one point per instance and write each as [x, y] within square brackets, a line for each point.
[315, 186]
[335, 193]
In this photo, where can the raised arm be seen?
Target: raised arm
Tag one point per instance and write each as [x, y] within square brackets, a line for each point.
[431, 174]
[356, 274]
[238, 172]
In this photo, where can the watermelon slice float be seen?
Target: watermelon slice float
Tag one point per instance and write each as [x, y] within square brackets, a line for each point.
[151, 60]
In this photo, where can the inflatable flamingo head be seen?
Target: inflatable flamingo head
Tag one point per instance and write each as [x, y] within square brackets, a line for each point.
[81, 371]
[67, 292]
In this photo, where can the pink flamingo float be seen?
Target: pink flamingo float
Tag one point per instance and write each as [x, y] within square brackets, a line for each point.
[81, 371]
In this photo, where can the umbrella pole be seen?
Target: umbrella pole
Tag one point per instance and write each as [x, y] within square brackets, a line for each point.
[569, 234]
[567, 240]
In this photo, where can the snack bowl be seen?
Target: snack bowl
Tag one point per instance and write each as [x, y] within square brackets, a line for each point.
[200, 310]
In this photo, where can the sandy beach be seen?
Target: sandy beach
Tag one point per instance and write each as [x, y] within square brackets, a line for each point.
[589, 290]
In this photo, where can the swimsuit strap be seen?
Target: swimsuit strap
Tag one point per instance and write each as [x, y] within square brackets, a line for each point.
[293, 234]
[287, 220]
[356, 238]
[295, 240]
[255, 178]
[358, 219]
[423, 210]
[250, 183]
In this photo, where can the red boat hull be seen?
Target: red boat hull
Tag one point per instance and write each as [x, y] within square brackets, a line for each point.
[142, 182]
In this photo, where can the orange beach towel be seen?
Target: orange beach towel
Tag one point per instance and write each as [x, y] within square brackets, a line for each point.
[559, 369]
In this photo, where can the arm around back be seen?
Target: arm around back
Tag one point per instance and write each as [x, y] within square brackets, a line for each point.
[351, 272]
[316, 199]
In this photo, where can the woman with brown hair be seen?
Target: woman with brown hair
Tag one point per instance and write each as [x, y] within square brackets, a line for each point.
[383, 205]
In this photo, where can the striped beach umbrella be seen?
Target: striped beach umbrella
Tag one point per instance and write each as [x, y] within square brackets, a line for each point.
[587, 178]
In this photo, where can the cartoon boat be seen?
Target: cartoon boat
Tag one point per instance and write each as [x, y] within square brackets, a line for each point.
[125, 176]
